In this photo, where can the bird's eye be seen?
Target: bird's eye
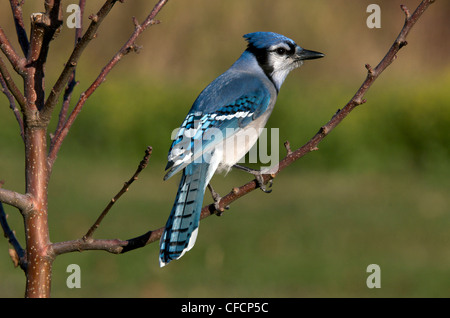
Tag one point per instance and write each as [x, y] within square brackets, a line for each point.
[281, 51]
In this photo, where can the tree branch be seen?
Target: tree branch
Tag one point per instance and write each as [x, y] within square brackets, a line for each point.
[12, 105]
[17, 254]
[112, 246]
[44, 28]
[21, 201]
[65, 105]
[15, 91]
[142, 165]
[357, 99]
[126, 48]
[16, 61]
[71, 82]
[16, 8]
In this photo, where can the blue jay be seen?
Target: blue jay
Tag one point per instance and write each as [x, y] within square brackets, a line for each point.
[237, 103]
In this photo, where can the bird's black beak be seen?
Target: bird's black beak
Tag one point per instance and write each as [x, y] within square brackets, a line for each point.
[304, 54]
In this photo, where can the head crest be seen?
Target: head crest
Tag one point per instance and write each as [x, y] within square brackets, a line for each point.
[261, 40]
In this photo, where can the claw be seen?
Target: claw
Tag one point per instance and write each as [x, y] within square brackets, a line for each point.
[216, 197]
[261, 184]
[259, 178]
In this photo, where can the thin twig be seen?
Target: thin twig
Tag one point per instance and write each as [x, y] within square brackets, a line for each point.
[16, 61]
[148, 152]
[72, 81]
[12, 105]
[15, 91]
[18, 255]
[65, 105]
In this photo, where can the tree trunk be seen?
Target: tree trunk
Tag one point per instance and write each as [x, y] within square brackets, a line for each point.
[38, 272]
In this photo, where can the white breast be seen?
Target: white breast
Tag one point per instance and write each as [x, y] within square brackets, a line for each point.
[236, 146]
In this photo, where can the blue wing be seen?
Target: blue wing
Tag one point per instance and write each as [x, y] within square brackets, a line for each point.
[206, 124]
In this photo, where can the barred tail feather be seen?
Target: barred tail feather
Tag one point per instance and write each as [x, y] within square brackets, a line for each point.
[182, 226]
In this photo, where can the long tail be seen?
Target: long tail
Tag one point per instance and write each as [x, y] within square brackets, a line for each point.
[182, 226]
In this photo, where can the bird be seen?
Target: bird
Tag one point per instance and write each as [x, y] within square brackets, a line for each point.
[238, 102]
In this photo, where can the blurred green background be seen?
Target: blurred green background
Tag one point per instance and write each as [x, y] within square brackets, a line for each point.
[377, 191]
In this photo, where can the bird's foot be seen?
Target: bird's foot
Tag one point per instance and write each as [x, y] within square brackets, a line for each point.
[216, 197]
[259, 178]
